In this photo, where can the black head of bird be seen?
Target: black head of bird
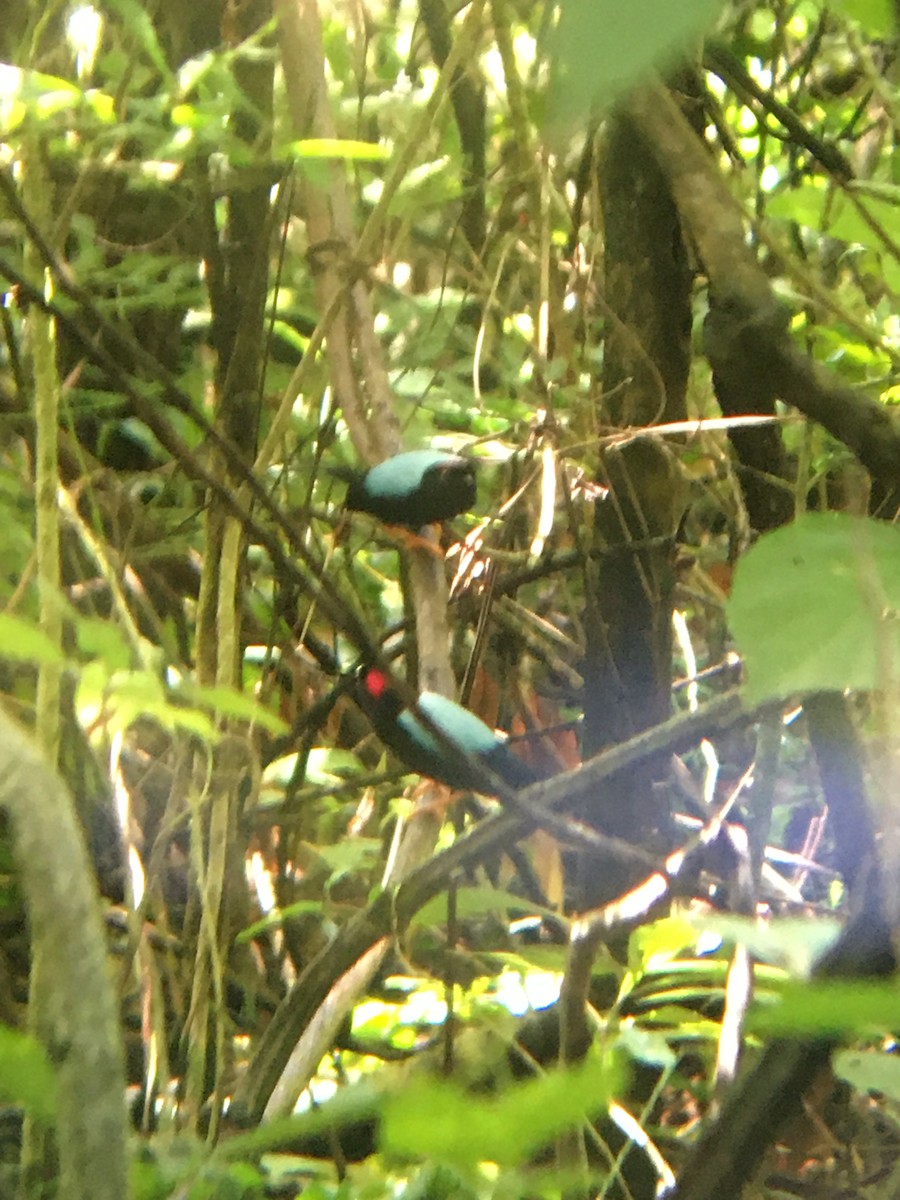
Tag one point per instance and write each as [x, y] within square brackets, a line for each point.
[416, 488]
[418, 748]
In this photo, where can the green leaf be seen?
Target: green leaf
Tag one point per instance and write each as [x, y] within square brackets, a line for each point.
[475, 902]
[875, 16]
[276, 918]
[351, 854]
[649, 1046]
[142, 32]
[327, 765]
[603, 47]
[128, 695]
[443, 1122]
[99, 638]
[827, 211]
[814, 606]
[869, 1071]
[26, 1076]
[24, 641]
[23, 92]
[229, 702]
[805, 205]
[659, 941]
[338, 148]
[357, 1103]
[794, 943]
[829, 1009]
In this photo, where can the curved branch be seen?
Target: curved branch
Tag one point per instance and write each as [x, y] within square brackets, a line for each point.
[748, 343]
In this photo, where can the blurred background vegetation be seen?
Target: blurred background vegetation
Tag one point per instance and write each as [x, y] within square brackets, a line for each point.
[641, 263]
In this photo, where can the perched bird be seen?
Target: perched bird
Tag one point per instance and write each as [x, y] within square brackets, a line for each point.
[419, 487]
[420, 750]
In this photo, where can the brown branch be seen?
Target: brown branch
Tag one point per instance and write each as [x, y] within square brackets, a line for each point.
[747, 339]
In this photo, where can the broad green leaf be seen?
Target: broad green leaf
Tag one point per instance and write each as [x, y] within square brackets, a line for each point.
[350, 854]
[26, 1075]
[357, 1103]
[475, 902]
[805, 205]
[127, 695]
[603, 47]
[327, 765]
[814, 606]
[843, 217]
[830, 1009]
[794, 943]
[24, 641]
[443, 1122]
[649, 1046]
[869, 1071]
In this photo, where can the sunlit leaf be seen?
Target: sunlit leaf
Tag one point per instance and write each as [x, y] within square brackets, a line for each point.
[25, 641]
[792, 943]
[866, 219]
[329, 764]
[658, 941]
[23, 92]
[338, 148]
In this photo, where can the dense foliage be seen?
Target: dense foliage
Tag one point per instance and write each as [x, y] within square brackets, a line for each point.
[640, 264]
